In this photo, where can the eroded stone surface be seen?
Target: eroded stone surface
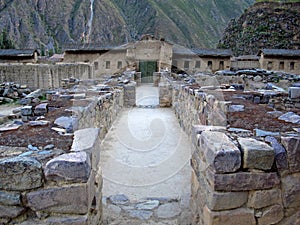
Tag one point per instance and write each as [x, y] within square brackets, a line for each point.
[271, 215]
[20, 173]
[242, 216]
[256, 154]
[10, 211]
[242, 181]
[292, 146]
[10, 198]
[219, 152]
[71, 200]
[73, 167]
[264, 198]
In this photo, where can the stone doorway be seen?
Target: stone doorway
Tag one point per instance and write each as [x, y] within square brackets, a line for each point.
[147, 68]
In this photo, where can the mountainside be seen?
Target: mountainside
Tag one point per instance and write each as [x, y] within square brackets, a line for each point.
[264, 25]
[52, 24]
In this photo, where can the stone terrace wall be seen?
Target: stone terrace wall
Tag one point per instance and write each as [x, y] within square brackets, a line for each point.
[65, 189]
[44, 76]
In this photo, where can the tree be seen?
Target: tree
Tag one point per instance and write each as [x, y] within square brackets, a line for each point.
[5, 42]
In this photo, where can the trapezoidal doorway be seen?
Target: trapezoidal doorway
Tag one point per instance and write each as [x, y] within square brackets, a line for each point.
[147, 68]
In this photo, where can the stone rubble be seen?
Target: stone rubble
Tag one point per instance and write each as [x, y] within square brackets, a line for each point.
[118, 209]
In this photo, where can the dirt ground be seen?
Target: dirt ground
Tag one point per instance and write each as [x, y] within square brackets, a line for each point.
[40, 136]
[254, 116]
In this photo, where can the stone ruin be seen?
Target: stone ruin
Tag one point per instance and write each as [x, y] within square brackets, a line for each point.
[241, 173]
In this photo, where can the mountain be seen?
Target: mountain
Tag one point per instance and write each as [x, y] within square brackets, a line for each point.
[49, 25]
[264, 25]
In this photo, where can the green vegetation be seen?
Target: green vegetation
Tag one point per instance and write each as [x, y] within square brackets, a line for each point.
[5, 42]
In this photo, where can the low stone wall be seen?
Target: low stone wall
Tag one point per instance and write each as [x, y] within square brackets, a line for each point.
[44, 76]
[244, 181]
[237, 178]
[66, 187]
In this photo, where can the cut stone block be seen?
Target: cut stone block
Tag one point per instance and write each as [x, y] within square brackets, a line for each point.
[69, 123]
[10, 211]
[292, 146]
[271, 215]
[294, 92]
[226, 200]
[63, 200]
[260, 199]
[291, 191]
[242, 181]
[280, 153]
[69, 167]
[256, 154]
[26, 110]
[240, 216]
[41, 109]
[10, 198]
[20, 173]
[220, 152]
[85, 139]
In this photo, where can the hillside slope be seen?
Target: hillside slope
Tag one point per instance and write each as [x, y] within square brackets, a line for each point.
[50, 25]
[264, 25]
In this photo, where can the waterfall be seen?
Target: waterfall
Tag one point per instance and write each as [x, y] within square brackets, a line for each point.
[90, 22]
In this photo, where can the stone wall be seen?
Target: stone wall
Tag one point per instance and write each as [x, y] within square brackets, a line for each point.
[244, 181]
[65, 187]
[237, 178]
[44, 76]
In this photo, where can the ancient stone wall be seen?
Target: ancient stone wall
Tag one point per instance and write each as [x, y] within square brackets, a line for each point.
[237, 178]
[44, 76]
[234, 181]
[65, 188]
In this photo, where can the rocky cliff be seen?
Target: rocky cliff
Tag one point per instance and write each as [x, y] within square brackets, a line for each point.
[264, 25]
[49, 25]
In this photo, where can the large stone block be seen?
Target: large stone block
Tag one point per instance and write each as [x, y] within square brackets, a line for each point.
[263, 198]
[73, 167]
[280, 154]
[41, 109]
[242, 181]
[88, 140]
[85, 139]
[292, 147]
[220, 153]
[20, 173]
[241, 216]
[63, 200]
[294, 92]
[226, 200]
[256, 154]
[198, 129]
[291, 191]
[10, 198]
[10, 211]
[291, 220]
[271, 215]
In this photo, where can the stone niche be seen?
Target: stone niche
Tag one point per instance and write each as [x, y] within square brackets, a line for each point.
[65, 188]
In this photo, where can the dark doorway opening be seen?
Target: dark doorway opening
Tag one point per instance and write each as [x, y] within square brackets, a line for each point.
[147, 68]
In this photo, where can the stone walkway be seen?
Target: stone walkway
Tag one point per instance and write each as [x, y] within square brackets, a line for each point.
[145, 160]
